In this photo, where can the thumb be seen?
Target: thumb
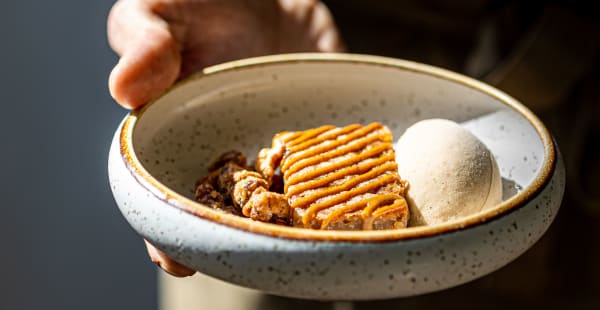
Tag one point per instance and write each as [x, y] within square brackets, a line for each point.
[148, 66]
[150, 59]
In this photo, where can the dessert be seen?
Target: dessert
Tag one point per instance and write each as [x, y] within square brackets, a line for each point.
[338, 178]
[332, 178]
[450, 172]
[347, 178]
[231, 187]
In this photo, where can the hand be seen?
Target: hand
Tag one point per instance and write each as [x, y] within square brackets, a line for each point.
[161, 41]
[167, 264]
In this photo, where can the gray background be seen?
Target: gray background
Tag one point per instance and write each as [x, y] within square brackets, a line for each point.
[64, 243]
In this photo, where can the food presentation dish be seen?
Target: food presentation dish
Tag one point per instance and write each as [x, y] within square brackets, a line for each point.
[159, 152]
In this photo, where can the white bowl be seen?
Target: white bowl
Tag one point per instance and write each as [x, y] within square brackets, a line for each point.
[160, 151]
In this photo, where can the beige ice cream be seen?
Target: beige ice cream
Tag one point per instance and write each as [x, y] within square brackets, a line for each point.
[450, 173]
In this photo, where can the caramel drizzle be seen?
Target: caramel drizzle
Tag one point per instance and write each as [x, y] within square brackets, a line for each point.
[374, 202]
[285, 137]
[345, 209]
[308, 134]
[371, 203]
[369, 217]
[309, 148]
[329, 135]
[349, 170]
[291, 159]
[368, 153]
[400, 203]
[356, 145]
[346, 186]
[345, 196]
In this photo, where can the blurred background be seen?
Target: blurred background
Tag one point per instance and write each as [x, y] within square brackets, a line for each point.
[66, 246]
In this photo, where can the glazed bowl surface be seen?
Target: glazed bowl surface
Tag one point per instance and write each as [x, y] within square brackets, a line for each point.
[159, 152]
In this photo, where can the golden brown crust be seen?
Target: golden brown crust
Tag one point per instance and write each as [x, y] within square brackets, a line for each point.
[340, 178]
[268, 159]
[267, 206]
[234, 189]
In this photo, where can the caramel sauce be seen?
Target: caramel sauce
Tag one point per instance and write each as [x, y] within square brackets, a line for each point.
[346, 209]
[292, 158]
[309, 134]
[331, 134]
[369, 168]
[314, 157]
[368, 153]
[340, 173]
[342, 190]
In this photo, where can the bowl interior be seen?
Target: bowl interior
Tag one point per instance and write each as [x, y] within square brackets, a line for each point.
[176, 137]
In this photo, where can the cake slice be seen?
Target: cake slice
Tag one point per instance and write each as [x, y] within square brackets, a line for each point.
[338, 178]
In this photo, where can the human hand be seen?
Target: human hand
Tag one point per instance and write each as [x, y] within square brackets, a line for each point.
[166, 263]
[161, 41]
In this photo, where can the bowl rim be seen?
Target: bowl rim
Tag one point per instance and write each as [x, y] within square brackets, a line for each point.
[172, 198]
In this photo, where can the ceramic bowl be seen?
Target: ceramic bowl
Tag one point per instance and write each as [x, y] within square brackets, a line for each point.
[158, 153]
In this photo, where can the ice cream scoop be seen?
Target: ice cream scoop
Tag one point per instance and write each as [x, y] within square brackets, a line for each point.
[450, 173]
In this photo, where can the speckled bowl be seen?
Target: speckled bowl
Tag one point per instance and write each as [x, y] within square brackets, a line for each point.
[158, 152]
